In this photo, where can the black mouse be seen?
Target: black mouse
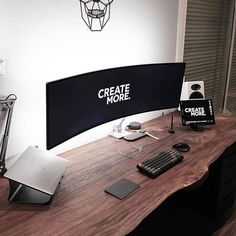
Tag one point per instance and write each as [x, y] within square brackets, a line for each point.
[182, 147]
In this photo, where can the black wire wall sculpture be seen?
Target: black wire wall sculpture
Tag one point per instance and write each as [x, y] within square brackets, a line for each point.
[95, 13]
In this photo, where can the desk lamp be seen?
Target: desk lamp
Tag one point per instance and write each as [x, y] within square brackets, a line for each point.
[9, 104]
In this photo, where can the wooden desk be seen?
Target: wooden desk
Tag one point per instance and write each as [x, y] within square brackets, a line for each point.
[81, 207]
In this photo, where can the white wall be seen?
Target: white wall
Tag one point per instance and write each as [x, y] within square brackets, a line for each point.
[47, 40]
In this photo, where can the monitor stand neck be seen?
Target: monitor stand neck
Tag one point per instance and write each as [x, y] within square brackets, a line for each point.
[117, 130]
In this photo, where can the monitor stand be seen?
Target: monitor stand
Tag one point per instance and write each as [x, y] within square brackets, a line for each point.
[197, 127]
[35, 176]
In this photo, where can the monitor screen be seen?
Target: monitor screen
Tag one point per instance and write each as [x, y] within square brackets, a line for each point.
[197, 112]
[81, 102]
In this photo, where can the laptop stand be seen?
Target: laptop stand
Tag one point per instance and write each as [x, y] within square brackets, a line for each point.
[35, 176]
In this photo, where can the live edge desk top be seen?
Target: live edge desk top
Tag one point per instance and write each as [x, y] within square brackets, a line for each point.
[81, 207]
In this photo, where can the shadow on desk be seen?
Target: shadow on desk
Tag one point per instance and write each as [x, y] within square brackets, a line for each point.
[173, 218]
[197, 211]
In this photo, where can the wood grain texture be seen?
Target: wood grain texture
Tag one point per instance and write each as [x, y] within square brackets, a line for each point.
[81, 207]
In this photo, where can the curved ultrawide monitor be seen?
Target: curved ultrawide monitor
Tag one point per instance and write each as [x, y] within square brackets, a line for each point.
[81, 102]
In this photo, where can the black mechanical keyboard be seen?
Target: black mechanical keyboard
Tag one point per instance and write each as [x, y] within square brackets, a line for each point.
[159, 163]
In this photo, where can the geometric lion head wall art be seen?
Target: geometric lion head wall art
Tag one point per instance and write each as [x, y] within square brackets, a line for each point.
[95, 13]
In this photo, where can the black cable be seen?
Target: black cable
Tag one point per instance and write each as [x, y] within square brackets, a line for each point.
[8, 97]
